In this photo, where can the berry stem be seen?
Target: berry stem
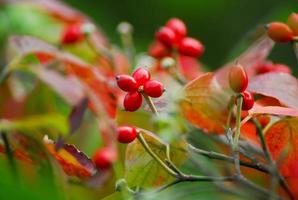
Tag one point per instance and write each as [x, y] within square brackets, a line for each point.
[154, 156]
[150, 103]
[237, 134]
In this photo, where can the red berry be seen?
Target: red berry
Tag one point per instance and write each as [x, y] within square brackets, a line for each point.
[158, 50]
[132, 101]
[72, 34]
[126, 83]
[280, 32]
[238, 78]
[178, 27]
[191, 47]
[103, 158]
[270, 67]
[153, 88]
[293, 23]
[126, 134]
[166, 36]
[248, 100]
[141, 76]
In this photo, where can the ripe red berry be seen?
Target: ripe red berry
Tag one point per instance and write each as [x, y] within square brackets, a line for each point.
[158, 50]
[166, 36]
[103, 158]
[153, 88]
[280, 32]
[238, 78]
[127, 83]
[270, 67]
[126, 134]
[178, 27]
[190, 47]
[132, 101]
[72, 34]
[141, 76]
[248, 100]
[293, 23]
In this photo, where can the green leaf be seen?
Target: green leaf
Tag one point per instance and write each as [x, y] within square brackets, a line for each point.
[51, 124]
[141, 170]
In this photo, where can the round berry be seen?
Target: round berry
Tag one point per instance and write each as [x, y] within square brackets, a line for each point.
[280, 32]
[72, 34]
[166, 36]
[159, 50]
[293, 23]
[178, 27]
[141, 76]
[248, 100]
[238, 78]
[190, 47]
[126, 83]
[132, 101]
[153, 88]
[126, 134]
[103, 158]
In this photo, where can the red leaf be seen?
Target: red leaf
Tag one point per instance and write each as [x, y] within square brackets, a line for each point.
[281, 86]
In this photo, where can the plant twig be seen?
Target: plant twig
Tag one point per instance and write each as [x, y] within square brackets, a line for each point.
[223, 157]
[237, 135]
[150, 103]
[9, 154]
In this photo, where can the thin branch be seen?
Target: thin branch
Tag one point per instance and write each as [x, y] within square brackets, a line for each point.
[223, 157]
[237, 135]
[10, 155]
[150, 103]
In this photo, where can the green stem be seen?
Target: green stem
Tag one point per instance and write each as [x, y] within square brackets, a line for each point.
[9, 154]
[154, 156]
[237, 135]
[295, 46]
[125, 30]
[150, 103]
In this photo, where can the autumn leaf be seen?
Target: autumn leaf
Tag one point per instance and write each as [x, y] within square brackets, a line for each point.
[281, 86]
[282, 141]
[73, 161]
[142, 170]
[204, 103]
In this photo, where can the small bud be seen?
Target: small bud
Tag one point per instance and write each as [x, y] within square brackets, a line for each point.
[168, 62]
[280, 32]
[238, 78]
[125, 28]
[87, 28]
[293, 23]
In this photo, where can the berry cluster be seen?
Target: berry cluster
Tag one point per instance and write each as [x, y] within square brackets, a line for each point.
[284, 33]
[173, 36]
[137, 84]
[238, 82]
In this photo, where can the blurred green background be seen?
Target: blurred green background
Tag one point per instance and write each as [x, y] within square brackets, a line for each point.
[220, 24]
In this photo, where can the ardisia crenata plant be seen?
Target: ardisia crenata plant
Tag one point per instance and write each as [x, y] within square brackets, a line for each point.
[83, 119]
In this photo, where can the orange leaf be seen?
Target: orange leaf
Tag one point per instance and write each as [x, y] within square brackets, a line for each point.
[282, 141]
[204, 103]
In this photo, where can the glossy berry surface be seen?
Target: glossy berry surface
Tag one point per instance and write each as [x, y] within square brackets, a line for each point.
[126, 83]
[72, 34]
[132, 101]
[248, 100]
[141, 76]
[293, 23]
[190, 47]
[238, 79]
[166, 36]
[126, 134]
[153, 88]
[159, 50]
[178, 28]
[103, 158]
[280, 32]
